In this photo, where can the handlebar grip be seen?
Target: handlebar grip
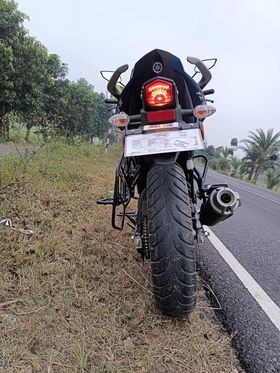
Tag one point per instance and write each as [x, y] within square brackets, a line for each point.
[135, 118]
[110, 101]
[187, 112]
[208, 92]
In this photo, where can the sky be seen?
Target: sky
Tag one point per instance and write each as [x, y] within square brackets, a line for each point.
[244, 35]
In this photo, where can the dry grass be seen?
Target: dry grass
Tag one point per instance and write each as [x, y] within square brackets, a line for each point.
[72, 296]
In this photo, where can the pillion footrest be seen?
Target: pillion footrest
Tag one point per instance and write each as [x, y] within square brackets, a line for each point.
[129, 214]
[105, 201]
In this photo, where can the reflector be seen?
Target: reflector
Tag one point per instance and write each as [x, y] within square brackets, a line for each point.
[162, 116]
[202, 130]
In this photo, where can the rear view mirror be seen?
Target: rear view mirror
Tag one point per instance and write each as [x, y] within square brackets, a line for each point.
[107, 75]
[209, 63]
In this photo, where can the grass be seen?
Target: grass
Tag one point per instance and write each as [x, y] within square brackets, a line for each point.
[72, 296]
[18, 132]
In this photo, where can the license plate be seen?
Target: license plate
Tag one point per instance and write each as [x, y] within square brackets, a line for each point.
[163, 142]
[164, 126]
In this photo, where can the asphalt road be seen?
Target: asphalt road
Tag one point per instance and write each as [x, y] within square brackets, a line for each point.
[252, 235]
[6, 149]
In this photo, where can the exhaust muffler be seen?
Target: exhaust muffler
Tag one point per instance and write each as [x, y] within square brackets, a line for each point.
[220, 205]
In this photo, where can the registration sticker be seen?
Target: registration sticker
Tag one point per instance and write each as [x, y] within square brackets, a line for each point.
[163, 142]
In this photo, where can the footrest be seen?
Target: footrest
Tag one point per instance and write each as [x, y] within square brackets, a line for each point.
[105, 201]
[131, 214]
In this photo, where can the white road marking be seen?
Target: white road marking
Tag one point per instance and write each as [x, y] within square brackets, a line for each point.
[261, 297]
[249, 191]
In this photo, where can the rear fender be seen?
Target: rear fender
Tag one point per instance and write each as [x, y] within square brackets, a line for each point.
[167, 158]
[161, 159]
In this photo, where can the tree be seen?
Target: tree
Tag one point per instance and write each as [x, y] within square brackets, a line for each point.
[272, 179]
[250, 160]
[12, 34]
[24, 72]
[262, 150]
[11, 22]
[101, 117]
[31, 76]
[226, 151]
[242, 170]
[54, 89]
[76, 108]
[209, 151]
[235, 165]
[223, 164]
[234, 142]
[56, 68]
[33, 85]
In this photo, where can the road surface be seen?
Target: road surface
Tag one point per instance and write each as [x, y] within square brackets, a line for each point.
[16, 148]
[247, 283]
[7, 149]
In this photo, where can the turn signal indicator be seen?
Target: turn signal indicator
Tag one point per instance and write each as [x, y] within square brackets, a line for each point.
[203, 111]
[119, 120]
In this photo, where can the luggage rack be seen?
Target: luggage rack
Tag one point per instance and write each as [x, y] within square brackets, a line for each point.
[125, 180]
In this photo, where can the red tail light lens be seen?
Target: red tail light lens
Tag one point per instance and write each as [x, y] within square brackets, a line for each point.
[159, 93]
[162, 116]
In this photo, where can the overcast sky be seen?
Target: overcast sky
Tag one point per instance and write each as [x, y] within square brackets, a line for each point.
[244, 35]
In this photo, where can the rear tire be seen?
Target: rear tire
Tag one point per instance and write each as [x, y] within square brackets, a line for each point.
[171, 239]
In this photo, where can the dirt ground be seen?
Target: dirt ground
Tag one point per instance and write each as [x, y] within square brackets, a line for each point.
[73, 297]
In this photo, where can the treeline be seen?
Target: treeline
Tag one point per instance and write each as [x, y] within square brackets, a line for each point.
[261, 158]
[34, 88]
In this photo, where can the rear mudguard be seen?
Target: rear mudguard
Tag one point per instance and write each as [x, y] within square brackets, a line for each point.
[167, 158]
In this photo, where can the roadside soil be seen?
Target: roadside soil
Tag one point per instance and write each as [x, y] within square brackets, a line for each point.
[73, 297]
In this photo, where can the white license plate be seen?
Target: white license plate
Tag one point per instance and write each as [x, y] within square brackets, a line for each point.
[163, 142]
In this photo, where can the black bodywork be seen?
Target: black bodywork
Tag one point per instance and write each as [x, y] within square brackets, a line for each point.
[189, 92]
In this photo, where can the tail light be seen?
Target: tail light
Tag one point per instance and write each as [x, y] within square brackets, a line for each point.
[159, 94]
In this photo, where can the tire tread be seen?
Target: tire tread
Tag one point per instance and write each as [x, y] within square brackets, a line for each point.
[173, 261]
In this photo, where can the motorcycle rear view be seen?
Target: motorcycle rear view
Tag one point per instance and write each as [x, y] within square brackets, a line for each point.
[161, 113]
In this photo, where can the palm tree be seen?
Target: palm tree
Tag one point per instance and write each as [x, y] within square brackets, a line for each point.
[272, 179]
[226, 151]
[235, 165]
[234, 142]
[261, 151]
[250, 160]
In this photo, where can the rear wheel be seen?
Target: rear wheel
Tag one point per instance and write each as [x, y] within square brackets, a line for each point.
[171, 240]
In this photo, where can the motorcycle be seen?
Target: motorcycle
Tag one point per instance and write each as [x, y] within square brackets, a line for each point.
[160, 114]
